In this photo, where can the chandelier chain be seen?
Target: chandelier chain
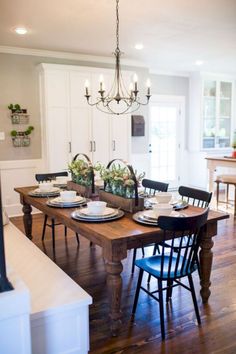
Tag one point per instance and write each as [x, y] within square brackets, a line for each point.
[117, 26]
[118, 100]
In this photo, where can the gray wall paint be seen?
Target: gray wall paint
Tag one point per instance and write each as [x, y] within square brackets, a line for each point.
[19, 84]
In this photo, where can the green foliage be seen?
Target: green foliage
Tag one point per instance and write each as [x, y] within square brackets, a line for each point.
[81, 171]
[119, 175]
[14, 133]
[234, 141]
[29, 130]
[14, 107]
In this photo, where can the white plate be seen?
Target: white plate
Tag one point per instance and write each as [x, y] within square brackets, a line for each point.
[75, 200]
[152, 200]
[149, 214]
[107, 212]
[51, 190]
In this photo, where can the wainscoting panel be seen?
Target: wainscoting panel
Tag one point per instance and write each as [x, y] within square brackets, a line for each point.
[18, 173]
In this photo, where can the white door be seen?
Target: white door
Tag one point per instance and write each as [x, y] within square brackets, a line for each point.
[165, 136]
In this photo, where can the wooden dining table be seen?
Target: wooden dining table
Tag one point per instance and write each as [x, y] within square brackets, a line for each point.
[117, 237]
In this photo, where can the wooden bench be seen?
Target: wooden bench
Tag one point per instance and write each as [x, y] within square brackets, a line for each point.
[59, 307]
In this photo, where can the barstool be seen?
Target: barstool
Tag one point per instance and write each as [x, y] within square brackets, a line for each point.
[227, 180]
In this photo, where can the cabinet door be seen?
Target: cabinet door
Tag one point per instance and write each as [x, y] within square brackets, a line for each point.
[217, 114]
[101, 134]
[225, 114]
[100, 123]
[56, 120]
[120, 137]
[80, 116]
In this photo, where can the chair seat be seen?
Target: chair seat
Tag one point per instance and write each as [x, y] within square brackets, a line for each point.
[226, 179]
[152, 265]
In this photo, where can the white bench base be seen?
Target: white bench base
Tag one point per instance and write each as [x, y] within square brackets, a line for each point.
[59, 307]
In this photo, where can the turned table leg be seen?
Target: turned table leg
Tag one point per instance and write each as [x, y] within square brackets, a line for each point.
[27, 218]
[206, 257]
[114, 284]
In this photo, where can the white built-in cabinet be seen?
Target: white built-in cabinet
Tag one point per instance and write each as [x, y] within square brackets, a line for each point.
[211, 123]
[70, 125]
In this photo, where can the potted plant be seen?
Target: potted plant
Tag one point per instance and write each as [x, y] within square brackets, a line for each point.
[16, 140]
[234, 145]
[21, 138]
[234, 149]
[18, 114]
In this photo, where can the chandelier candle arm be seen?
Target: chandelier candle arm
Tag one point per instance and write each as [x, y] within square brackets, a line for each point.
[119, 100]
[86, 88]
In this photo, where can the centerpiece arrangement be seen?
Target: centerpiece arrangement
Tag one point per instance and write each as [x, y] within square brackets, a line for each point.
[120, 185]
[120, 180]
[82, 173]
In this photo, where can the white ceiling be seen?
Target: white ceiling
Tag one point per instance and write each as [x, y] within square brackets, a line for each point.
[175, 33]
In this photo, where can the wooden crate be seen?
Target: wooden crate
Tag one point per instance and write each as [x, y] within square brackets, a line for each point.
[82, 190]
[120, 202]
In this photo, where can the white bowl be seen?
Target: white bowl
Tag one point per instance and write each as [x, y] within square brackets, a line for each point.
[45, 186]
[68, 196]
[162, 209]
[163, 197]
[96, 207]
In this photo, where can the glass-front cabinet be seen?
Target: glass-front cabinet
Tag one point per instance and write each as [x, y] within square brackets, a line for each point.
[217, 114]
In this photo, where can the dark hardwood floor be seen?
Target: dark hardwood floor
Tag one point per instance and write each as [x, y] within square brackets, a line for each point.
[85, 265]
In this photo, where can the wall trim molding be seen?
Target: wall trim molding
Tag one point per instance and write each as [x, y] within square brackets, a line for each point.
[170, 73]
[16, 164]
[68, 55]
[17, 173]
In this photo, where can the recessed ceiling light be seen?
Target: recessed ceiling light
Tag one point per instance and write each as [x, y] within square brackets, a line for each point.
[199, 62]
[21, 30]
[138, 46]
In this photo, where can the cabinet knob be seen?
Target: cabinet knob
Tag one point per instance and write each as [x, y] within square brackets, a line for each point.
[94, 145]
[113, 145]
[91, 146]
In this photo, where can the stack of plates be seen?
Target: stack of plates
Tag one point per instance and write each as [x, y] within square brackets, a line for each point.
[60, 203]
[179, 205]
[52, 192]
[147, 217]
[109, 214]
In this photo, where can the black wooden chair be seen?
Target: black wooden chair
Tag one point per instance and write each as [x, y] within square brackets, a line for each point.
[196, 197]
[40, 177]
[170, 266]
[150, 188]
